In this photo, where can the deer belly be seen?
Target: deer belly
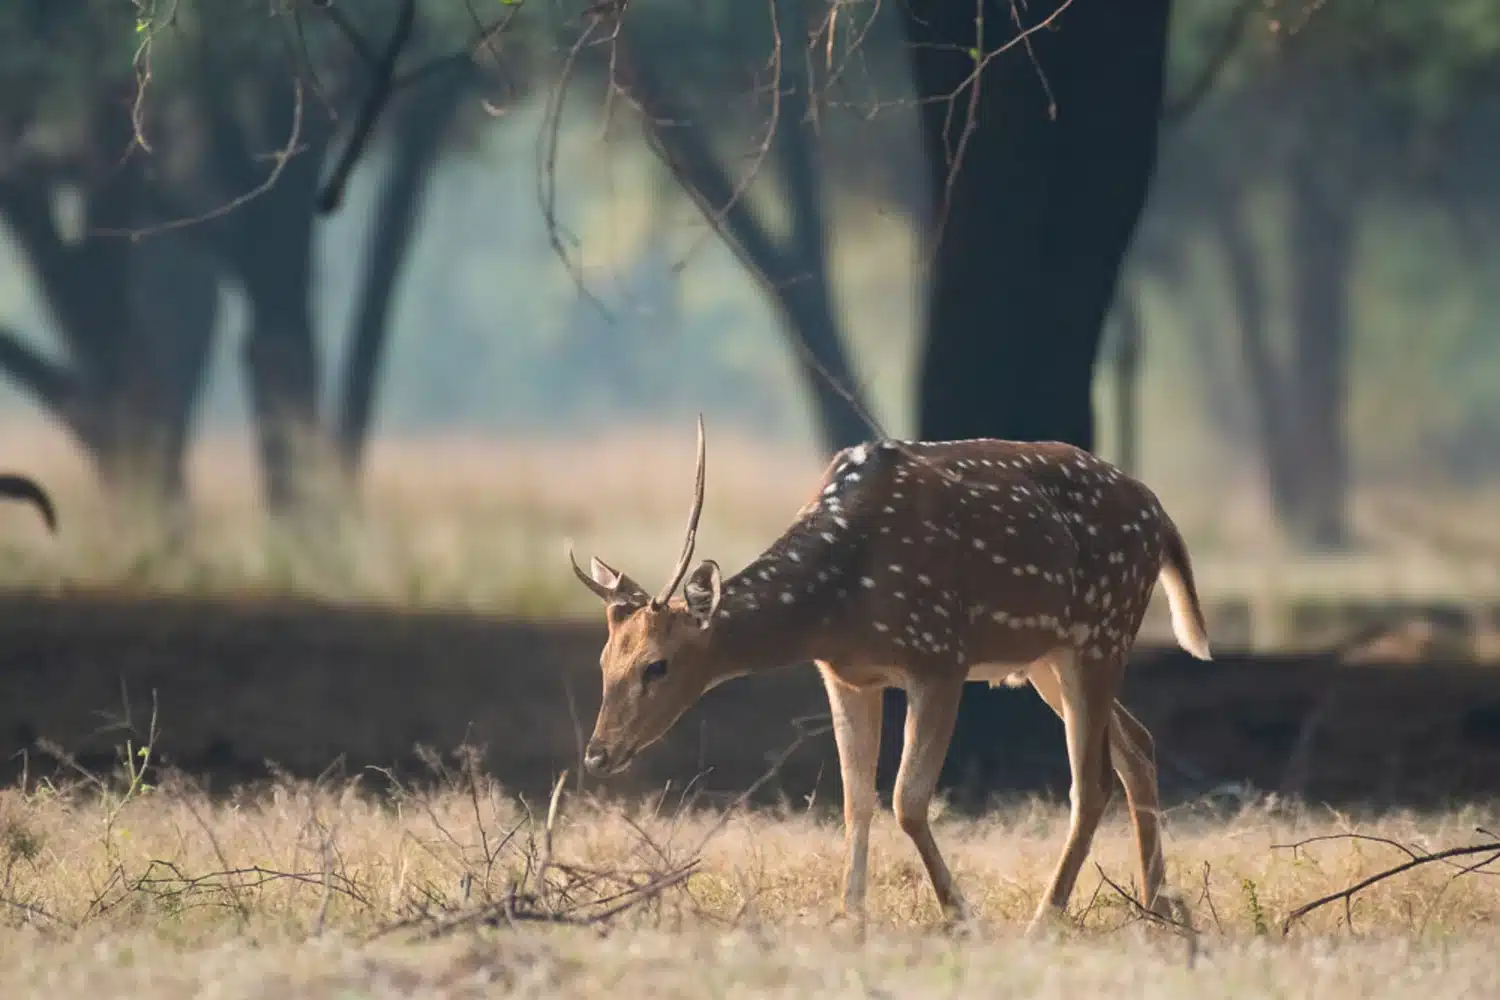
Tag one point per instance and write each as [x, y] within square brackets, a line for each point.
[998, 674]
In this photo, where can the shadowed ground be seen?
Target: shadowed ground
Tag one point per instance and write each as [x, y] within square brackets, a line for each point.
[243, 682]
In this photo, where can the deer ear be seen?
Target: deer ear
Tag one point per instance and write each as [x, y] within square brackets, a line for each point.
[620, 588]
[703, 591]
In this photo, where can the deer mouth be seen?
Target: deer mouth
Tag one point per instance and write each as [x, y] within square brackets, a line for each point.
[605, 762]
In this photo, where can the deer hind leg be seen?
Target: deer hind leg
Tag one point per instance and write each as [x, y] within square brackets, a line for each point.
[856, 730]
[1132, 753]
[1135, 756]
[931, 710]
[1086, 701]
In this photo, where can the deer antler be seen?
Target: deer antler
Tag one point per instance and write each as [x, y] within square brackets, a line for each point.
[692, 529]
[18, 487]
[600, 591]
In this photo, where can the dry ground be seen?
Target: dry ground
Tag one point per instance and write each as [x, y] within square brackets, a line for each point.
[111, 889]
[308, 890]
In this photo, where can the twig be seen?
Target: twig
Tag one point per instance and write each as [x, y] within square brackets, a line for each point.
[1179, 107]
[1182, 926]
[383, 75]
[1207, 896]
[1416, 860]
[546, 856]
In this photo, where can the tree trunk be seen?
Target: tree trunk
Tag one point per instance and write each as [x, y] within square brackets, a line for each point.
[137, 345]
[1273, 390]
[1321, 249]
[792, 271]
[1030, 232]
[269, 245]
[1034, 224]
[416, 142]
[1299, 401]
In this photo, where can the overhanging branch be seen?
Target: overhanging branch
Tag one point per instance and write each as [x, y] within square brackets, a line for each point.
[48, 382]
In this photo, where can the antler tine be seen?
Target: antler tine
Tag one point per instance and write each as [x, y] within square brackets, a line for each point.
[692, 528]
[588, 581]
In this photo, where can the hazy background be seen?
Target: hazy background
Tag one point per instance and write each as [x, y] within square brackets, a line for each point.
[1313, 284]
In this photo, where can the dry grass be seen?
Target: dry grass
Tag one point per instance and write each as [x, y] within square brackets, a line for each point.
[342, 888]
[476, 524]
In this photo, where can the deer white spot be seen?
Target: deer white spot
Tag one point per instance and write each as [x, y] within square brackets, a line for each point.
[828, 537]
[841, 522]
[882, 627]
[979, 543]
[924, 579]
[997, 559]
[831, 488]
[867, 583]
[858, 455]
[794, 557]
[1030, 569]
[787, 597]
[852, 477]
[896, 567]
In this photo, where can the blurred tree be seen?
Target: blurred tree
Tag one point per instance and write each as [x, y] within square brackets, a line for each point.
[1040, 128]
[791, 267]
[128, 381]
[198, 127]
[1325, 110]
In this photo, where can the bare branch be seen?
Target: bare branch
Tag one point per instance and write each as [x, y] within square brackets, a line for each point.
[1415, 860]
[376, 99]
[51, 384]
[1178, 108]
[279, 160]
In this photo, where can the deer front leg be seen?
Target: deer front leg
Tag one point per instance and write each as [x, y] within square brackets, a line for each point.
[856, 730]
[931, 710]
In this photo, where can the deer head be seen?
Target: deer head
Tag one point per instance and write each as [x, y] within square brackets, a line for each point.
[655, 660]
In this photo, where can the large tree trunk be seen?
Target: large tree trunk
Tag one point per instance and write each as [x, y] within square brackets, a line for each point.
[416, 142]
[1031, 231]
[1039, 214]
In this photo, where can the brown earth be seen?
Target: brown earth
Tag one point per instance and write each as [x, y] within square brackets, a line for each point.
[304, 685]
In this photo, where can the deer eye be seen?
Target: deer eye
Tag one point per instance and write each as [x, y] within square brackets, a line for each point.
[655, 670]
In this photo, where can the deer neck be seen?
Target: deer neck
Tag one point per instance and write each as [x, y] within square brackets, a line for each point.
[778, 611]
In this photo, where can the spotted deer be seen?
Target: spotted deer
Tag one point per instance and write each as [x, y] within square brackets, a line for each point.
[14, 486]
[923, 565]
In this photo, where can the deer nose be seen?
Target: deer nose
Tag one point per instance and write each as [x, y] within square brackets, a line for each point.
[596, 760]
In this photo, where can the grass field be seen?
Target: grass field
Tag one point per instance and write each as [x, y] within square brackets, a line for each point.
[112, 888]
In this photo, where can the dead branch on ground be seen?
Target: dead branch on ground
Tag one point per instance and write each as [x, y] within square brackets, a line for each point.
[1416, 858]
